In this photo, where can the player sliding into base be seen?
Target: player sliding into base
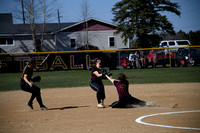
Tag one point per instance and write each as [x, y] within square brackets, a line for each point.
[28, 86]
[125, 99]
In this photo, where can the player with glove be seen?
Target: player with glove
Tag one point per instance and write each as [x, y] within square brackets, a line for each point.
[28, 86]
[125, 99]
[106, 71]
[96, 82]
[36, 79]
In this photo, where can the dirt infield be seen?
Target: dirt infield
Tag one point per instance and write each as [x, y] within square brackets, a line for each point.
[73, 110]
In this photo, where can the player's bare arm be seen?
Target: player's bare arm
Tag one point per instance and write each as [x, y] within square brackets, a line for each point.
[28, 82]
[97, 74]
[110, 78]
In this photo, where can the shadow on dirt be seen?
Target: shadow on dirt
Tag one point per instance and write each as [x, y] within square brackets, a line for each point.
[68, 107]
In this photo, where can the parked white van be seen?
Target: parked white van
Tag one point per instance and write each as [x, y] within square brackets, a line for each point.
[174, 43]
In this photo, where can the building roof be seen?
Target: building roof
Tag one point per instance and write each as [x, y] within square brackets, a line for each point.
[79, 24]
[25, 28]
[8, 28]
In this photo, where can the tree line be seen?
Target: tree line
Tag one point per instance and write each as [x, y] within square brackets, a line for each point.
[155, 39]
[140, 19]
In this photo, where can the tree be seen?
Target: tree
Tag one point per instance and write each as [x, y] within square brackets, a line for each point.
[142, 18]
[85, 14]
[194, 37]
[178, 36]
[181, 35]
[36, 11]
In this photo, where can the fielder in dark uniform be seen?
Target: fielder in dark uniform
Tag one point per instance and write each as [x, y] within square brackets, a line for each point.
[96, 83]
[28, 86]
[125, 99]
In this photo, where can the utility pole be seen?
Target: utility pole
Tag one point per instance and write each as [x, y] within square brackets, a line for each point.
[58, 19]
[23, 11]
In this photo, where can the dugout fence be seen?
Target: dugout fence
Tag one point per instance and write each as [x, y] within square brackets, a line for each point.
[113, 59]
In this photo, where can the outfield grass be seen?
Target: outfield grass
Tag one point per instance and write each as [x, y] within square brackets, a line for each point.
[62, 79]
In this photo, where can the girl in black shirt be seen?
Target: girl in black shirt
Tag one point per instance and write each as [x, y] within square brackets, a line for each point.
[28, 86]
[96, 83]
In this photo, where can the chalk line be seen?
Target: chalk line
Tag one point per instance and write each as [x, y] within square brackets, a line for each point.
[139, 120]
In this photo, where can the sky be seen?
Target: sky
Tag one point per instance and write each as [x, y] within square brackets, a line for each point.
[70, 11]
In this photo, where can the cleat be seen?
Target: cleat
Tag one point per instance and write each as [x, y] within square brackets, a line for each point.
[30, 105]
[43, 108]
[100, 105]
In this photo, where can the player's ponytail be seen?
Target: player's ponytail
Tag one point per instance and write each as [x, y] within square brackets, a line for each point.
[94, 62]
[122, 77]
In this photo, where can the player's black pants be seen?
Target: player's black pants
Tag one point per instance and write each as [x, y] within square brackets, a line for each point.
[125, 101]
[99, 88]
[35, 92]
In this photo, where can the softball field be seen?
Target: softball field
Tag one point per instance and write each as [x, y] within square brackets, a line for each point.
[73, 110]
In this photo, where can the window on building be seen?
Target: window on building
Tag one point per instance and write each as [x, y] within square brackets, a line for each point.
[73, 43]
[6, 41]
[111, 41]
[2, 41]
[10, 41]
[38, 45]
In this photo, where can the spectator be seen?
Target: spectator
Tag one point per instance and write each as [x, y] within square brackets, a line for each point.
[142, 59]
[131, 59]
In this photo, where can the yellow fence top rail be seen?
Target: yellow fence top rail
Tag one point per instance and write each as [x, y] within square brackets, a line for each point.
[89, 51]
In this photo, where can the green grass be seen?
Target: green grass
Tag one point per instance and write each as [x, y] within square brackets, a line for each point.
[61, 79]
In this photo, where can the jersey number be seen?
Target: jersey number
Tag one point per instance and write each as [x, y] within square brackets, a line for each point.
[123, 88]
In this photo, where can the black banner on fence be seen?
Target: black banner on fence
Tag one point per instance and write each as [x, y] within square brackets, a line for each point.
[56, 62]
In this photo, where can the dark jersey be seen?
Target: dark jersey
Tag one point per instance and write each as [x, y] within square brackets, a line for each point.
[28, 71]
[122, 88]
[94, 77]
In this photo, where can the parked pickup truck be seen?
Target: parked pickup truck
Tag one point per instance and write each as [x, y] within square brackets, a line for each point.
[161, 57]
